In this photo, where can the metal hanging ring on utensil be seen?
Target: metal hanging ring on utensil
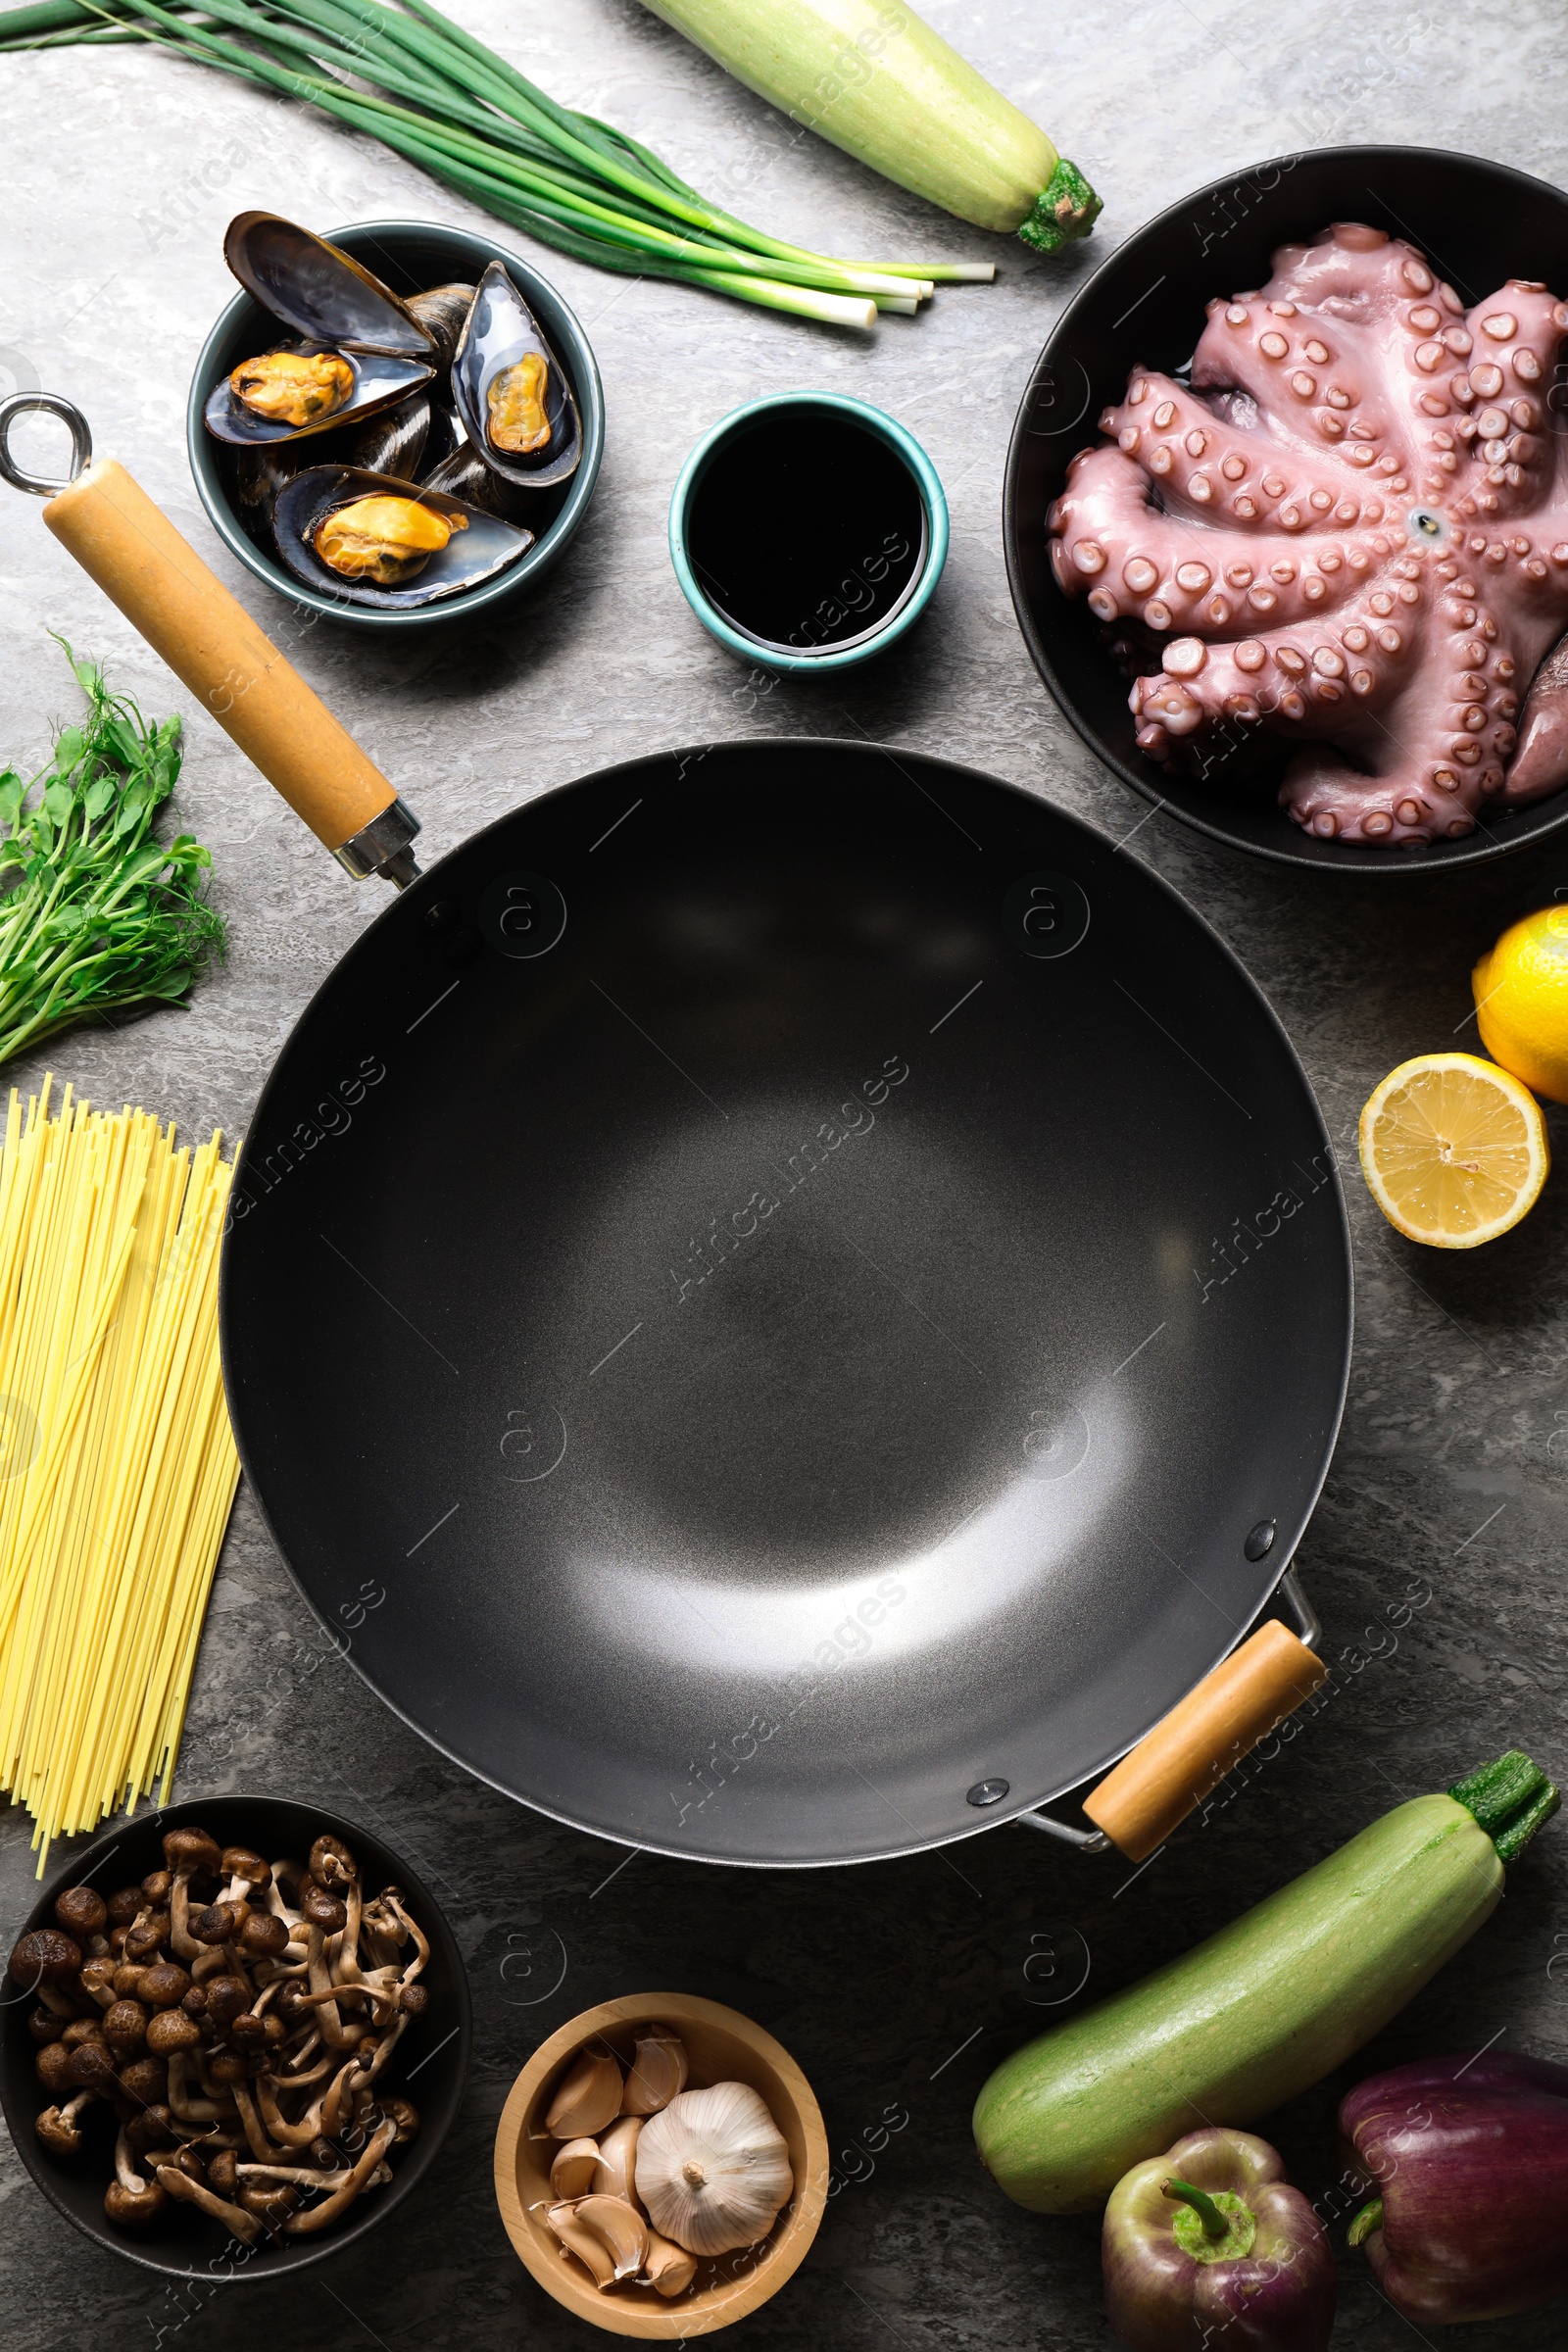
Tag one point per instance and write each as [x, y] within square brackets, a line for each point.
[53, 404]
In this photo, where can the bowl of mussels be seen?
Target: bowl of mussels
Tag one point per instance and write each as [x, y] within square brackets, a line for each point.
[394, 424]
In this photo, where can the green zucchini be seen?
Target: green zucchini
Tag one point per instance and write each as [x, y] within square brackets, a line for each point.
[873, 78]
[1264, 2008]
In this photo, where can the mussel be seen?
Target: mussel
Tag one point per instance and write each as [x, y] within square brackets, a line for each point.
[464, 475]
[441, 311]
[512, 392]
[393, 442]
[375, 539]
[321, 291]
[384, 538]
[444, 439]
[356, 385]
[256, 473]
[517, 423]
[293, 387]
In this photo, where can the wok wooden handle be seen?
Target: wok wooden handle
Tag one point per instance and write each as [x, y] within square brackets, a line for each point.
[1150, 1791]
[210, 641]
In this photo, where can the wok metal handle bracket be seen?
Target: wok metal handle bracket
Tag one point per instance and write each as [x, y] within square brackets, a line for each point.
[1293, 1593]
[1088, 1842]
[1173, 1768]
[383, 847]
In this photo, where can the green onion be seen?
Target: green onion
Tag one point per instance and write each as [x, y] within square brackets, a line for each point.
[406, 74]
[874, 78]
[98, 913]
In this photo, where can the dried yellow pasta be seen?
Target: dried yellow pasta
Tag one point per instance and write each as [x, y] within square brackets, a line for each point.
[118, 1465]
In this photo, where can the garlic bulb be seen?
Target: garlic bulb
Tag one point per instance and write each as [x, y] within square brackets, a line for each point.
[615, 2162]
[657, 2072]
[586, 2099]
[712, 2169]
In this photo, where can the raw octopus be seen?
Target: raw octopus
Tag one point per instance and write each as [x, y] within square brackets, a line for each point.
[1351, 529]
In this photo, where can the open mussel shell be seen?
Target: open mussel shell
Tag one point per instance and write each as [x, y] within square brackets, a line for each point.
[501, 330]
[319, 290]
[484, 547]
[379, 382]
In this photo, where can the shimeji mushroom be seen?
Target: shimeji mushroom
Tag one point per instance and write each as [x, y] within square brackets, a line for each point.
[145, 2082]
[45, 1962]
[322, 2216]
[153, 2127]
[93, 2068]
[95, 1981]
[58, 2127]
[187, 1852]
[239, 2015]
[244, 2225]
[52, 2066]
[129, 2199]
[247, 1874]
[82, 1913]
[43, 2026]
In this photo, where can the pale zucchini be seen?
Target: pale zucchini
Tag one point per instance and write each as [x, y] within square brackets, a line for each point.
[874, 78]
[1264, 2008]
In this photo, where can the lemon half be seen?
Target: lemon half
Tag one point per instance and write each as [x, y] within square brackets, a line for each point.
[1453, 1149]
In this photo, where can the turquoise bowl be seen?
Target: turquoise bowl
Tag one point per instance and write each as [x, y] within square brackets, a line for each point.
[405, 255]
[915, 596]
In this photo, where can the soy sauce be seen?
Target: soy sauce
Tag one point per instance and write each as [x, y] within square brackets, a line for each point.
[806, 531]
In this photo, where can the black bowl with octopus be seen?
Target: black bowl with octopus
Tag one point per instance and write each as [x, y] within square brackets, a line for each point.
[1478, 223]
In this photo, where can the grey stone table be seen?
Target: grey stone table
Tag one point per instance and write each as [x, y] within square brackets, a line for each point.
[898, 1985]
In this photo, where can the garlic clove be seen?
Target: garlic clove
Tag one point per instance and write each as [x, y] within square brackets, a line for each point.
[615, 2172]
[575, 2239]
[657, 2072]
[619, 2228]
[669, 2268]
[712, 2169]
[586, 2099]
[572, 2169]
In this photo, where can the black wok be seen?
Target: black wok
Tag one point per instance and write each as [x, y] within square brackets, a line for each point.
[753, 1341]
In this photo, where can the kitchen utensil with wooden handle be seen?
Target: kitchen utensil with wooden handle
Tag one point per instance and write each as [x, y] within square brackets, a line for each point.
[211, 643]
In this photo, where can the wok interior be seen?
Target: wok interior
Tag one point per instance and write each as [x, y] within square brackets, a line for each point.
[761, 1346]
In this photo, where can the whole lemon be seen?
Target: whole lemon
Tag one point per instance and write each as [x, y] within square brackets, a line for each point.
[1521, 993]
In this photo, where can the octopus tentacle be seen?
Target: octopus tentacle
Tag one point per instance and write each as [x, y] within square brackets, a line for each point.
[1540, 764]
[1214, 461]
[1321, 537]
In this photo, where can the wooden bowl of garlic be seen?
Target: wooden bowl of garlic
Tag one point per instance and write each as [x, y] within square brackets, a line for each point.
[662, 2166]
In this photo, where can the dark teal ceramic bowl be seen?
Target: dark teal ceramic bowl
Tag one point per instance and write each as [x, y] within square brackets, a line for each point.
[924, 474]
[405, 255]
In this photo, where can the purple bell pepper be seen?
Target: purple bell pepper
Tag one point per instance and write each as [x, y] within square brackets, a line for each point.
[1469, 2157]
[1211, 2245]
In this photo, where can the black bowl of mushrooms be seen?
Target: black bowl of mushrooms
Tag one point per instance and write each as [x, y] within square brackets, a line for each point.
[234, 2036]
